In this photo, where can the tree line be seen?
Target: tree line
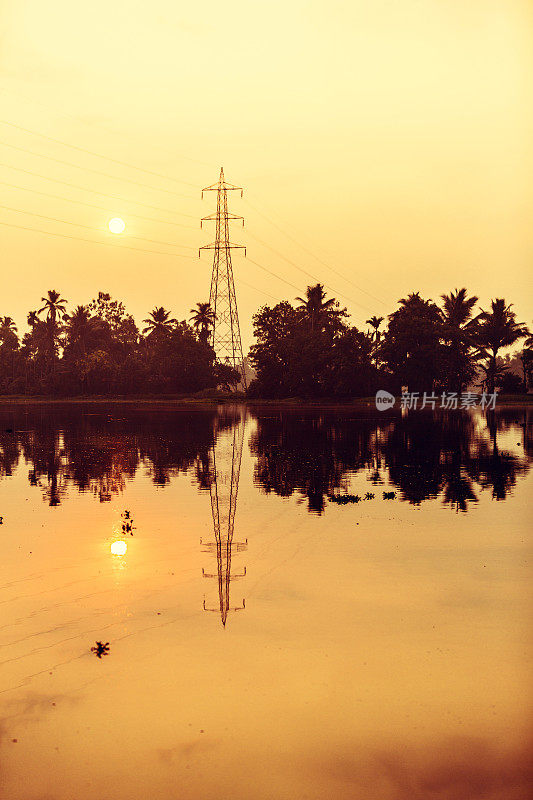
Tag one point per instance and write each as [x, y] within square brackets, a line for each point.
[98, 349]
[309, 348]
[303, 349]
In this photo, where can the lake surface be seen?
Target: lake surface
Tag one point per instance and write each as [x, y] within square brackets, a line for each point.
[298, 604]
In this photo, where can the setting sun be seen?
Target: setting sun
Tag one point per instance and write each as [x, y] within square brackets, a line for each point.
[116, 225]
[119, 548]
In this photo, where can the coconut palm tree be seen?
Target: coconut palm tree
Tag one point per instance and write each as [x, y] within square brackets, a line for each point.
[526, 359]
[316, 308]
[9, 343]
[203, 319]
[54, 305]
[32, 319]
[158, 321]
[375, 322]
[7, 325]
[496, 329]
[457, 309]
[458, 330]
[79, 328]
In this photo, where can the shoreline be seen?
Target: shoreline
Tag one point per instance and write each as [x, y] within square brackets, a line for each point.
[288, 402]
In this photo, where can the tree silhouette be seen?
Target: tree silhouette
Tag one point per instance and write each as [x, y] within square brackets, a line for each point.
[458, 333]
[54, 305]
[375, 322]
[411, 351]
[497, 328]
[203, 319]
[316, 309]
[159, 321]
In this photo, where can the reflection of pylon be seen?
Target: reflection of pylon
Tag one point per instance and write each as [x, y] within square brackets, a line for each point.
[226, 335]
[224, 470]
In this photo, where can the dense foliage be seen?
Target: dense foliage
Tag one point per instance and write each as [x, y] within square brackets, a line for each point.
[310, 350]
[98, 349]
[307, 350]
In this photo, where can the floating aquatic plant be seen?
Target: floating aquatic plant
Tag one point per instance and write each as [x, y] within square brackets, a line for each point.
[101, 649]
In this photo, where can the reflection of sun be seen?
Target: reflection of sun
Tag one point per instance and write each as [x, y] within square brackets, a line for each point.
[119, 548]
[116, 225]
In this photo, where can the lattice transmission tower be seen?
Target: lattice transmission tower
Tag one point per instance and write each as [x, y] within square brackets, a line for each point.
[225, 334]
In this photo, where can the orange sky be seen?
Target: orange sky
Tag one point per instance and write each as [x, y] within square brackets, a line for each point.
[391, 139]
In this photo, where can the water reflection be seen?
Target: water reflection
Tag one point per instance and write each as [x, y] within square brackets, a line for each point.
[451, 455]
[95, 451]
[359, 644]
[222, 476]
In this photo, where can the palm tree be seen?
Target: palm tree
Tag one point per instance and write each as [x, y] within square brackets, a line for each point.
[54, 304]
[458, 329]
[526, 358]
[9, 340]
[497, 328]
[203, 319]
[7, 325]
[375, 322]
[158, 321]
[79, 327]
[32, 319]
[457, 309]
[316, 308]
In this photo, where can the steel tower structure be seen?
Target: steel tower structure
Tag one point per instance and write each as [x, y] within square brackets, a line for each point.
[223, 475]
[226, 335]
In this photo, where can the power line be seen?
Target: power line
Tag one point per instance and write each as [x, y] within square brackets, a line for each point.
[257, 289]
[95, 171]
[92, 241]
[94, 191]
[91, 205]
[93, 153]
[321, 261]
[48, 107]
[309, 274]
[274, 274]
[90, 227]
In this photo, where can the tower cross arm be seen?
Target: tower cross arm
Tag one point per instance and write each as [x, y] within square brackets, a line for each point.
[222, 246]
[222, 185]
[213, 218]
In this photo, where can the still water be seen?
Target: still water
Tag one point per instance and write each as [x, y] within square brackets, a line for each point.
[319, 604]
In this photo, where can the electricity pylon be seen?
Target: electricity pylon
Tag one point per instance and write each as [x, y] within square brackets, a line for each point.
[224, 470]
[225, 335]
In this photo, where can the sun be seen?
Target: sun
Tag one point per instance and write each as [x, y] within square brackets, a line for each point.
[116, 225]
[119, 548]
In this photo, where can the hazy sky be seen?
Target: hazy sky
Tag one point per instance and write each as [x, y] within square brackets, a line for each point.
[390, 139]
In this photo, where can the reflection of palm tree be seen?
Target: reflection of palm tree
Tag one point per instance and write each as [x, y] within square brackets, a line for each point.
[309, 456]
[159, 321]
[497, 328]
[203, 319]
[315, 307]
